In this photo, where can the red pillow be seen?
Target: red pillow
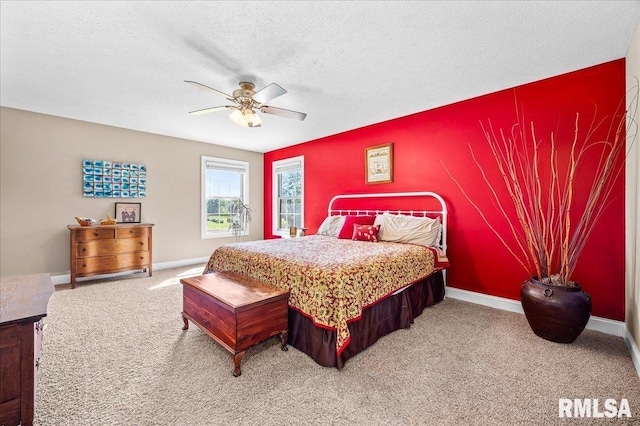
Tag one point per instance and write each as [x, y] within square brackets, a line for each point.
[347, 229]
[365, 232]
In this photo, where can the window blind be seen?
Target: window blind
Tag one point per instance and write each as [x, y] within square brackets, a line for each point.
[226, 167]
[288, 166]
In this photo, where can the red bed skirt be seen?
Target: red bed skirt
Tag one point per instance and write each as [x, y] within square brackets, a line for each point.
[390, 314]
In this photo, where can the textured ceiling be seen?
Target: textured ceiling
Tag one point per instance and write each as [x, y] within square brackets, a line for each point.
[346, 64]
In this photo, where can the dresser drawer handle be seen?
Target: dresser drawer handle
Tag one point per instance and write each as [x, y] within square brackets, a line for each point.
[84, 249]
[84, 265]
[141, 243]
[95, 234]
[141, 257]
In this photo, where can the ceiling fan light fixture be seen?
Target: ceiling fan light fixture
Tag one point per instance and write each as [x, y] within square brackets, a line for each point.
[245, 118]
[237, 117]
[251, 118]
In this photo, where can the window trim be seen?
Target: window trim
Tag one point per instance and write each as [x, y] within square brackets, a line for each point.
[204, 234]
[274, 194]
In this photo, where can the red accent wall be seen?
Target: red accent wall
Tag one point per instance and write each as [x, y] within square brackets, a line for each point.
[423, 141]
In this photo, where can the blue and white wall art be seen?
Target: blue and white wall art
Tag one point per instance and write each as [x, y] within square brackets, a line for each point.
[111, 179]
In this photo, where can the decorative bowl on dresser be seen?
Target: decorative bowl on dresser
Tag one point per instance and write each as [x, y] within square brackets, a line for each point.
[23, 304]
[106, 249]
[85, 221]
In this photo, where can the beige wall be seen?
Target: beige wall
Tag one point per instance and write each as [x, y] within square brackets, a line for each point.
[632, 276]
[41, 189]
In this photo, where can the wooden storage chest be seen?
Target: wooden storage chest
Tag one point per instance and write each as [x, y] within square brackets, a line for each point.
[235, 310]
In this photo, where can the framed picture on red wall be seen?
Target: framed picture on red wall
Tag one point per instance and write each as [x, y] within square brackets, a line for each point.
[379, 164]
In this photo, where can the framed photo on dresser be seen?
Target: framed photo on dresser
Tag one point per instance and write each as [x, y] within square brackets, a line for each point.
[128, 212]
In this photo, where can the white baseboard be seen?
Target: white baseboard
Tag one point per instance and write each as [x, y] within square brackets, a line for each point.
[66, 278]
[633, 348]
[485, 300]
[604, 325]
[180, 263]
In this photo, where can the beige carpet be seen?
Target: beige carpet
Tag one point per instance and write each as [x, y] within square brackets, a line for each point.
[114, 353]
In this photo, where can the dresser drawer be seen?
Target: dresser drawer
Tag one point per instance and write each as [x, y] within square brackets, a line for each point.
[104, 247]
[114, 263]
[10, 376]
[132, 232]
[95, 234]
[10, 355]
[16, 373]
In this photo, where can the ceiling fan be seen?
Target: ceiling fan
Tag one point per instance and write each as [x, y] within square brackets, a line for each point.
[246, 101]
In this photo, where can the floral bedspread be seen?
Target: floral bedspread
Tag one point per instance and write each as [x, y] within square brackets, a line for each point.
[330, 280]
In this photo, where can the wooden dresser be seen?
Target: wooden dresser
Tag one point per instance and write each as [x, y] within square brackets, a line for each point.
[106, 249]
[23, 303]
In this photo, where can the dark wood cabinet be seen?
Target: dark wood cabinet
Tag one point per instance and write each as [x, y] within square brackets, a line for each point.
[105, 249]
[23, 304]
[235, 310]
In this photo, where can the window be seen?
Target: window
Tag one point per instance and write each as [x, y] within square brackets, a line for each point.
[225, 190]
[288, 194]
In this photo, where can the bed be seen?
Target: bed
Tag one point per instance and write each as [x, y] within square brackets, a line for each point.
[366, 273]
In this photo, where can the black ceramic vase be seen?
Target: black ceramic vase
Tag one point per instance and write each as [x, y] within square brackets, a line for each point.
[555, 313]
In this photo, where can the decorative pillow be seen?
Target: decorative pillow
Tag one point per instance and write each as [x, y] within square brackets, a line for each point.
[409, 229]
[331, 226]
[365, 232]
[347, 229]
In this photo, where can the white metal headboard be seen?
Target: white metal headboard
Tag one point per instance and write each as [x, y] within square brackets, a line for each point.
[442, 212]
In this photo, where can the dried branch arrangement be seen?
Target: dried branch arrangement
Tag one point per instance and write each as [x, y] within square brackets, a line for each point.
[552, 228]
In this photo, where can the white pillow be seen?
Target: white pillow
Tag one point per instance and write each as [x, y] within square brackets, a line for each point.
[331, 226]
[408, 229]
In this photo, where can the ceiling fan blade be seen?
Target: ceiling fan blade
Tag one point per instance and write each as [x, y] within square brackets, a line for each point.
[283, 112]
[272, 91]
[217, 92]
[208, 110]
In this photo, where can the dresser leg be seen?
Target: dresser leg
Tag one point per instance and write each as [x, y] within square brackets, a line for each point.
[284, 336]
[236, 362]
[186, 322]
